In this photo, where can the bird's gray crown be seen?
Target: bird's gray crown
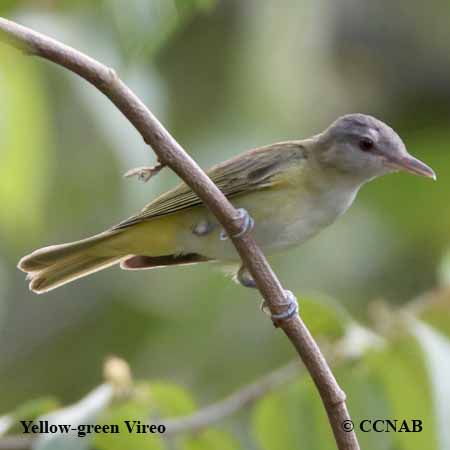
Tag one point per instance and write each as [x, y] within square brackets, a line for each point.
[362, 125]
[358, 146]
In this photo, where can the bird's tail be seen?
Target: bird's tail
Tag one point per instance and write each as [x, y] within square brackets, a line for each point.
[51, 267]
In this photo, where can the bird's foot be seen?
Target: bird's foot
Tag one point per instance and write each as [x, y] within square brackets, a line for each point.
[203, 228]
[291, 308]
[244, 278]
[246, 225]
[144, 173]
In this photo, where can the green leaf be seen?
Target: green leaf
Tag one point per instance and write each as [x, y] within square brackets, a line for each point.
[192, 5]
[210, 439]
[366, 400]
[150, 401]
[80, 414]
[324, 317]
[435, 311]
[133, 410]
[31, 410]
[170, 400]
[402, 374]
[292, 418]
[444, 270]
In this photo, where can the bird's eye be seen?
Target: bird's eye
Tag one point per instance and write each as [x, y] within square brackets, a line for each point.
[366, 144]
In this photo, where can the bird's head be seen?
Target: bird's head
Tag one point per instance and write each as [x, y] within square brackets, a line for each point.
[364, 147]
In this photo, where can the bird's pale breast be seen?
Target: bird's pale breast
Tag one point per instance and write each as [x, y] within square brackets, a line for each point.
[283, 218]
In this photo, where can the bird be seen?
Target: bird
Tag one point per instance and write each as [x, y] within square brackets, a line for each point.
[287, 193]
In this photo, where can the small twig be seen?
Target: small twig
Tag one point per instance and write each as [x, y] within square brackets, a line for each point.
[233, 403]
[170, 152]
[144, 173]
[340, 351]
[204, 417]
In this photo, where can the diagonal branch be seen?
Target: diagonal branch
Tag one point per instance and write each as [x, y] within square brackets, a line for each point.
[170, 153]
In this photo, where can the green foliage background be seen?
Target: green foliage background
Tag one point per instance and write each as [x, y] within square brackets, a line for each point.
[225, 76]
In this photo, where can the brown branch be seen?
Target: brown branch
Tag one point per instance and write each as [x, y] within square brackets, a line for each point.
[170, 153]
[233, 403]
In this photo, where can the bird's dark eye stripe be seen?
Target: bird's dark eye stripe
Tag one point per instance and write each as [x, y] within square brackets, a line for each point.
[366, 144]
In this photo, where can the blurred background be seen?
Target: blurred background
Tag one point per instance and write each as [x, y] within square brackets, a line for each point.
[223, 76]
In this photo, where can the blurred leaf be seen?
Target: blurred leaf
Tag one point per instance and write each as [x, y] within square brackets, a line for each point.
[144, 27]
[366, 400]
[292, 418]
[37, 407]
[6, 5]
[436, 348]
[6, 423]
[324, 317]
[81, 413]
[401, 373]
[24, 145]
[435, 311]
[192, 5]
[210, 439]
[170, 400]
[31, 410]
[444, 270]
[136, 409]
[149, 400]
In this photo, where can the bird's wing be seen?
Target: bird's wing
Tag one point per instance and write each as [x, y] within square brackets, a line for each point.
[255, 169]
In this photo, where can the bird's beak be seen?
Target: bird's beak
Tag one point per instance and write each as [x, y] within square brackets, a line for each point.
[412, 165]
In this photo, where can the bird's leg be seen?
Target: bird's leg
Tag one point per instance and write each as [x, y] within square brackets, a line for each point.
[245, 279]
[291, 308]
[144, 173]
[247, 224]
[203, 228]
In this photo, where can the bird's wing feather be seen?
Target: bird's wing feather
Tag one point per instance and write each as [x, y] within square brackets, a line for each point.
[255, 169]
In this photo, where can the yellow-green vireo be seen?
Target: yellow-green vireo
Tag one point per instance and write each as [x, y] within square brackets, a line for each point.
[291, 190]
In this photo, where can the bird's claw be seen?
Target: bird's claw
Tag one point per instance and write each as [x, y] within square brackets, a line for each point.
[247, 224]
[143, 173]
[244, 278]
[291, 308]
